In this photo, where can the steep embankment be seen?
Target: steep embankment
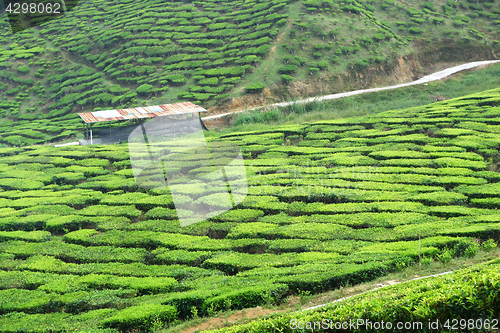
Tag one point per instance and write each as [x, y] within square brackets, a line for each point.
[393, 72]
[428, 78]
[467, 300]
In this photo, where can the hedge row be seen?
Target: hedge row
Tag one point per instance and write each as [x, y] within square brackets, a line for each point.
[50, 264]
[233, 263]
[74, 252]
[141, 316]
[86, 321]
[407, 302]
[38, 301]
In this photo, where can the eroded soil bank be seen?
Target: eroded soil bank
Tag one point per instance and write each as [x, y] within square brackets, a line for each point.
[397, 70]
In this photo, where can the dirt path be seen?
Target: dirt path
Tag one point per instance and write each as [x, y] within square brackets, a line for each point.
[272, 53]
[212, 323]
[389, 283]
[259, 312]
[428, 78]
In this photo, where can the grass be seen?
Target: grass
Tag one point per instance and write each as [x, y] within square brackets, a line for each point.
[265, 71]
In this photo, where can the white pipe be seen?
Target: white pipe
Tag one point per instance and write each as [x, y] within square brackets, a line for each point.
[90, 135]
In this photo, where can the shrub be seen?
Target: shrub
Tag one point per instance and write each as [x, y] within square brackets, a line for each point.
[169, 257]
[20, 184]
[32, 236]
[69, 177]
[286, 78]
[87, 171]
[239, 215]
[80, 236]
[144, 89]
[480, 191]
[186, 301]
[489, 245]
[416, 30]
[246, 297]
[93, 162]
[492, 203]
[61, 223]
[322, 64]
[26, 300]
[99, 210]
[159, 201]
[471, 251]
[446, 256]
[161, 213]
[255, 88]
[440, 198]
[141, 316]
[288, 69]
[76, 253]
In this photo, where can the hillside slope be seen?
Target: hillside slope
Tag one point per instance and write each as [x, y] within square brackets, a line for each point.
[116, 54]
[465, 301]
[329, 203]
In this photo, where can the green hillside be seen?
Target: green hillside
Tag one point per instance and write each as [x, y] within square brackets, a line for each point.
[116, 54]
[465, 301]
[329, 203]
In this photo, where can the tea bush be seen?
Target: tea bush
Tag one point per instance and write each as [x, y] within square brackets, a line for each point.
[329, 203]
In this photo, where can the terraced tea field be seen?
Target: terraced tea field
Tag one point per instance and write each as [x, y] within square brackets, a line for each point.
[117, 54]
[465, 301]
[329, 203]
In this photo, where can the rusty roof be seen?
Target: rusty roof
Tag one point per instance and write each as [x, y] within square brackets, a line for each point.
[141, 112]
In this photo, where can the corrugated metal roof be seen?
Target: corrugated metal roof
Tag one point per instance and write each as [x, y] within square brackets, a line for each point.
[141, 112]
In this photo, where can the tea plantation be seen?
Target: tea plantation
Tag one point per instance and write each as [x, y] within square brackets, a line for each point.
[122, 53]
[329, 203]
[465, 301]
